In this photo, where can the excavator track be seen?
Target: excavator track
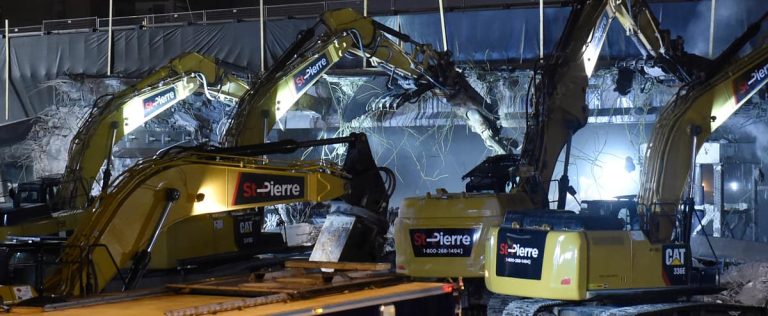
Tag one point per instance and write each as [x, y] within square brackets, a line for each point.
[687, 308]
[515, 306]
[647, 309]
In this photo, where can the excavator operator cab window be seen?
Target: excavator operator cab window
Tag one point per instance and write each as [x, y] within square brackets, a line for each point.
[28, 196]
[618, 214]
[623, 208]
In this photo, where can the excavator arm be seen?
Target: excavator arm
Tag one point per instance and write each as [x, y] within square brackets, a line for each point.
[132, 107]
[559, 97]
[419, 70]
[641, 25]
[686, 122]
[185, 182]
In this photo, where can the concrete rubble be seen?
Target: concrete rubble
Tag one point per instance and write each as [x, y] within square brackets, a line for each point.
[746, 284]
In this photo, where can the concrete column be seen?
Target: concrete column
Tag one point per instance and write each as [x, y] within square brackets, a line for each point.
[698, 193]
[753, 209]
[3, 187]
[442, 25]
[718, 190]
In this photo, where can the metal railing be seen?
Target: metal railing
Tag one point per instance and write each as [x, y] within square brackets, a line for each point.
[298, 10]
[307, 9]
[181, 18]
[69, 24]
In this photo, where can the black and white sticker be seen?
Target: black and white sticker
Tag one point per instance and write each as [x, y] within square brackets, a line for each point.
[158, 101]
[443, 242]
[246, 229]
[257, 188]
[750, 81]
[676, 259]
[520, 253]
[304, 77]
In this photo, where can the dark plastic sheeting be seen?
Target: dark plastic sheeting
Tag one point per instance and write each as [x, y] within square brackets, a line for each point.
[139, 52]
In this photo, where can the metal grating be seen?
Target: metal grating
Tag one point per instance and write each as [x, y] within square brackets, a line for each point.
[124, 21]
[232, 14]
[70, 24]
[357, 5]
[295, 10]
[24, 29]
[306, 9]
[187, 17]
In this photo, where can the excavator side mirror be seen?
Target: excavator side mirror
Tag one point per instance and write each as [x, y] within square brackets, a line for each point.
[572, 191]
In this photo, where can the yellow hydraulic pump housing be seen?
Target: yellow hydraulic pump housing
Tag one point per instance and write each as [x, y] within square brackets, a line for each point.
[581, 264]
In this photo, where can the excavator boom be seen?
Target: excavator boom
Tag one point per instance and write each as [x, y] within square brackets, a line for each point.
[129, 109]
[654, 43]
[559, 97]
[692, 117]
[183, 182]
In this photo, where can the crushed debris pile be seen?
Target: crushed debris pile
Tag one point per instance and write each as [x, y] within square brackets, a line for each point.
[47, 145]
[746, 284]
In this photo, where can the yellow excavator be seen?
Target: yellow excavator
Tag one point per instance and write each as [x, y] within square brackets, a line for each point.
[183, 182]
[55, 206]
[105, 125]
[416, 67]
[559, 111]
[526, 252]
[418, 71]
[561, 260]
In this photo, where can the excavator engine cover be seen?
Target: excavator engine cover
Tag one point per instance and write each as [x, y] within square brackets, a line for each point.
[564, 256]
[442, 235]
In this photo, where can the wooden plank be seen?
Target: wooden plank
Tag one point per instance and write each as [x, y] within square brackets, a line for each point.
[140, 307]
[307, 285]
[271, 287]
[229, 305]
[375, 266]
[305, 280]
[337, 302]
[268, 276]
[241, 288]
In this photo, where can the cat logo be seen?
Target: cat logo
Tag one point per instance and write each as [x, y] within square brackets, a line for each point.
[674, 257]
